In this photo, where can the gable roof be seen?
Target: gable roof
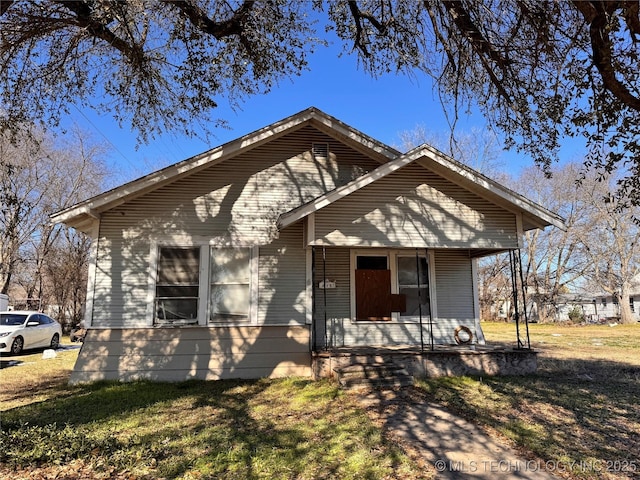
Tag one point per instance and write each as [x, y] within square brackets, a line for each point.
[82, 215]
[534, 215]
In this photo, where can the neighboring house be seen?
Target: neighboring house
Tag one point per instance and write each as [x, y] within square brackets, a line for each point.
[299, 237]
[594, 308]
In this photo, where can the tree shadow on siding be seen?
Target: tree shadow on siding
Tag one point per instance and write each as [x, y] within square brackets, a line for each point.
[231, 205]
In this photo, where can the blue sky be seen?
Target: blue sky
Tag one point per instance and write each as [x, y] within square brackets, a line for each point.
[380, 107]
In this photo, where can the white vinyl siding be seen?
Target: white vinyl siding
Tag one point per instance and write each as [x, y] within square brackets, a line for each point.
[282, 292]
[177, 354]
[454, 279]
[232, 203]
[414, 207]
[332, 263]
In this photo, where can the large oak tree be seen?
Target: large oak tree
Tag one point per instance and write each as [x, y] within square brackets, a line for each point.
[538, 70]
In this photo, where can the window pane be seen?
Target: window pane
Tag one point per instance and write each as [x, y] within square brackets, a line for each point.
[177, 291]
[414, 302]
[230, 265]
[408, 271]
[229, 302]
[365, 262]
[179, 265]
[177, 308]
[177, 284]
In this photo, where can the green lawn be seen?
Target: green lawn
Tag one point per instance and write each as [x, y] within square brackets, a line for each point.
[580, 415]
[275, 429]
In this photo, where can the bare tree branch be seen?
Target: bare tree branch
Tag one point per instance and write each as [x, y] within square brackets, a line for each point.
[199, 18]
[596, 14]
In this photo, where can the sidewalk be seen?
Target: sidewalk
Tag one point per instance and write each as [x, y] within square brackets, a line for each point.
[455, 448]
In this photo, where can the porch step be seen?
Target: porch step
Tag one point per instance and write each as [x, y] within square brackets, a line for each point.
[374, 375]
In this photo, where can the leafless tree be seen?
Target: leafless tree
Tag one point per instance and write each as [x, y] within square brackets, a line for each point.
[495, 288]
[609, 235]
[477, 148]
[39, 176]
[553, 263]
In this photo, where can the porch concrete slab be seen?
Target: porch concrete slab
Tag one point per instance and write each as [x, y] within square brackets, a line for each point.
[452, 446]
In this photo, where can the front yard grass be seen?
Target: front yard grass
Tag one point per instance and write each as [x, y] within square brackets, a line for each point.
[276, 429]
[580, 414]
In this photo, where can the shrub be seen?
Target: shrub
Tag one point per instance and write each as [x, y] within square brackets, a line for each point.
[575, 314]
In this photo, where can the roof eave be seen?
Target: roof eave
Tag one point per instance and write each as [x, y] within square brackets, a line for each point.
[429, 157]
[152, 181]
[541, 216]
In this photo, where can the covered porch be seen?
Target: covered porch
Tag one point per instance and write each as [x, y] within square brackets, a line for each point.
[412, 298]
[429, 351]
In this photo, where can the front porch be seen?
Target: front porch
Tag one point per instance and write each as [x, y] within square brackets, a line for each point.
[442, 360]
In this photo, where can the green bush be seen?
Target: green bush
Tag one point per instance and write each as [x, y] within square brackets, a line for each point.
[575, 314]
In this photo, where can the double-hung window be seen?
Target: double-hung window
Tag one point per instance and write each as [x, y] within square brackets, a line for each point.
[177, 285]
[203, 285]
[413, 284]
[230, 276]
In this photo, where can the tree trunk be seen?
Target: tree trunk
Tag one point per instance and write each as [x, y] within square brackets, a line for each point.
[626, 315]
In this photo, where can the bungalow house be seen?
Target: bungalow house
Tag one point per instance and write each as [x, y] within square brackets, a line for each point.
[304, 236]
[592, 308]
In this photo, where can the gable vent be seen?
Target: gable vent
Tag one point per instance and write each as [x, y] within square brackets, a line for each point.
[320, 151]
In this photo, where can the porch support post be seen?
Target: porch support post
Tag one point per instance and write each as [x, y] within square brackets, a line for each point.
[514, 294]
[517, 277]
[324, 295]
[524, 299]
[419, 301]
[313, 299]
[431, 342]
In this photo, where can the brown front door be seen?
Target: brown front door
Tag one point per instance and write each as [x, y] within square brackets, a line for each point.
[374, 300]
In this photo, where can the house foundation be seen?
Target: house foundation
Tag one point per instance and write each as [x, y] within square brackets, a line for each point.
[439, 362]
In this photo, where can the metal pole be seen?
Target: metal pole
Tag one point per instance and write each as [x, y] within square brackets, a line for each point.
[419, 301]
[426, 257]
[313, 299]
[524, 299]
[324, 291]
[514, 292]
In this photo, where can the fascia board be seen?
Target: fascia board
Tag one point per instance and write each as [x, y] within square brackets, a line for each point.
[490, 188]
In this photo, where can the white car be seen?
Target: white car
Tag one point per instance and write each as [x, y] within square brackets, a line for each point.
[20, 330]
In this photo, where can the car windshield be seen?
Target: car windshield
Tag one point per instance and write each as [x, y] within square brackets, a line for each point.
[9, 319]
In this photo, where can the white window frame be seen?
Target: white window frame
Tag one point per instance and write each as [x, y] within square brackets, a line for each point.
[251, 308]
[155, 273]
[392, 262]
[396, 281]
[205, 246]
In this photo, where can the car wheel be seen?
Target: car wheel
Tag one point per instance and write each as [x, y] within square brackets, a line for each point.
[17, 345]
[55, 341]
